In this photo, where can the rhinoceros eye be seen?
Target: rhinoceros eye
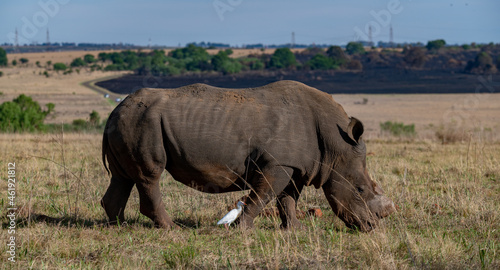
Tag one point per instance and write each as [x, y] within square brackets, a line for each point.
[360, 190]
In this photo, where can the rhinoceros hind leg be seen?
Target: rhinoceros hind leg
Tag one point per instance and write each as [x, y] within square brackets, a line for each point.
[151, 204]
[266, 187]
[287, 205]
[115, 199]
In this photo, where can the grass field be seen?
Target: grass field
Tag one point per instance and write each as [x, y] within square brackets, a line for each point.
[447, 197]
[447, 194]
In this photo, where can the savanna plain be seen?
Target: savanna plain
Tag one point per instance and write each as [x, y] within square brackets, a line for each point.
[444, 179]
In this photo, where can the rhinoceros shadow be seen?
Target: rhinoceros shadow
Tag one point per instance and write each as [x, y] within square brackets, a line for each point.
[183, 223]
[67, 220]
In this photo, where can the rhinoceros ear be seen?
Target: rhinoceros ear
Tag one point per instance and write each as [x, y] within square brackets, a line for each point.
[355, 129]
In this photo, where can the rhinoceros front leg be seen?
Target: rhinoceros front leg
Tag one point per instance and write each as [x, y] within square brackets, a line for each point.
[287, 205]
[267, 186]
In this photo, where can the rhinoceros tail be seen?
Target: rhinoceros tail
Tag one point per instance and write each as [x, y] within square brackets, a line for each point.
[105, 148]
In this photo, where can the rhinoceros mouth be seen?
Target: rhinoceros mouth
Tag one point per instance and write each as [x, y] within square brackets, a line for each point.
[364, 226]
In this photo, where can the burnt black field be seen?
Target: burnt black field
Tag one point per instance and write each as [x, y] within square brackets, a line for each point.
[373, 81]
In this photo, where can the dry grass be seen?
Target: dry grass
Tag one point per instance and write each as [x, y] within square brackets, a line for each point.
[447, 197]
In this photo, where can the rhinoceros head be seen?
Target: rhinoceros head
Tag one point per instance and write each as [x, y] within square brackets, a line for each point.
[354, 197]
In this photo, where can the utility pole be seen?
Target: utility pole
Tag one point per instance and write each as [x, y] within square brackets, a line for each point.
[370, 35]
[48, 39]
[391, 40]
[16, 42]
[293, 40]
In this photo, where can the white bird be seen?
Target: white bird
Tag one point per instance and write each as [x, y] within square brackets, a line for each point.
[232, 215]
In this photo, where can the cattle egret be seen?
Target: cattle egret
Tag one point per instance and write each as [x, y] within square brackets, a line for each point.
[232, 215]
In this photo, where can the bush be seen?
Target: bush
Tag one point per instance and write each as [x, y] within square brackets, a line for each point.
[78, 62]
[435, 45]
[282, 58]
[3, 57]
[14, 62]
[89, 58]
[95, 118]
[354, 65]
[24, 60]
[320, 61]
[398, 129]
[354, 48]
[414, 56]
[337, 55]
[23, 114]
[451, 134]
[483, 64]
[59, 66]
[1, 73]
[193, 58]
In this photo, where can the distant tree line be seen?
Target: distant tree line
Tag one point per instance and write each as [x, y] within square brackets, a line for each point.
[436, 54]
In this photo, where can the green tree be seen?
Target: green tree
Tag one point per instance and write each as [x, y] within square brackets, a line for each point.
[78, 62]
[89, 58]
[24, 60]
[193, 58]
[3, 57]
[354, 48]
[59, 66]
[337, 55]
[14, 62]
[219, 59]
[434, 45]
[23, 114]
[282, 58]
[320, 61]
[103, 56]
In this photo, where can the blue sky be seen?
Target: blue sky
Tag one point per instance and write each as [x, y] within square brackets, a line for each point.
[239, 22]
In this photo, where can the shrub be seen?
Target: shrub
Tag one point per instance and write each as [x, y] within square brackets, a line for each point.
[450, 134]
[354, 48]
[320, 61]
[1, 73]
[282, 58]
[435, 45]
[354, 65]
[414, 56]
[78, 62]
[398, 129]
[95, 118]
[3, 57]
[89, 58]
[79, 123]
[194, 58]
[23, 114]
[482, 64]
[24, 60]
[14, 62]
[337, 55]
[59, 66]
